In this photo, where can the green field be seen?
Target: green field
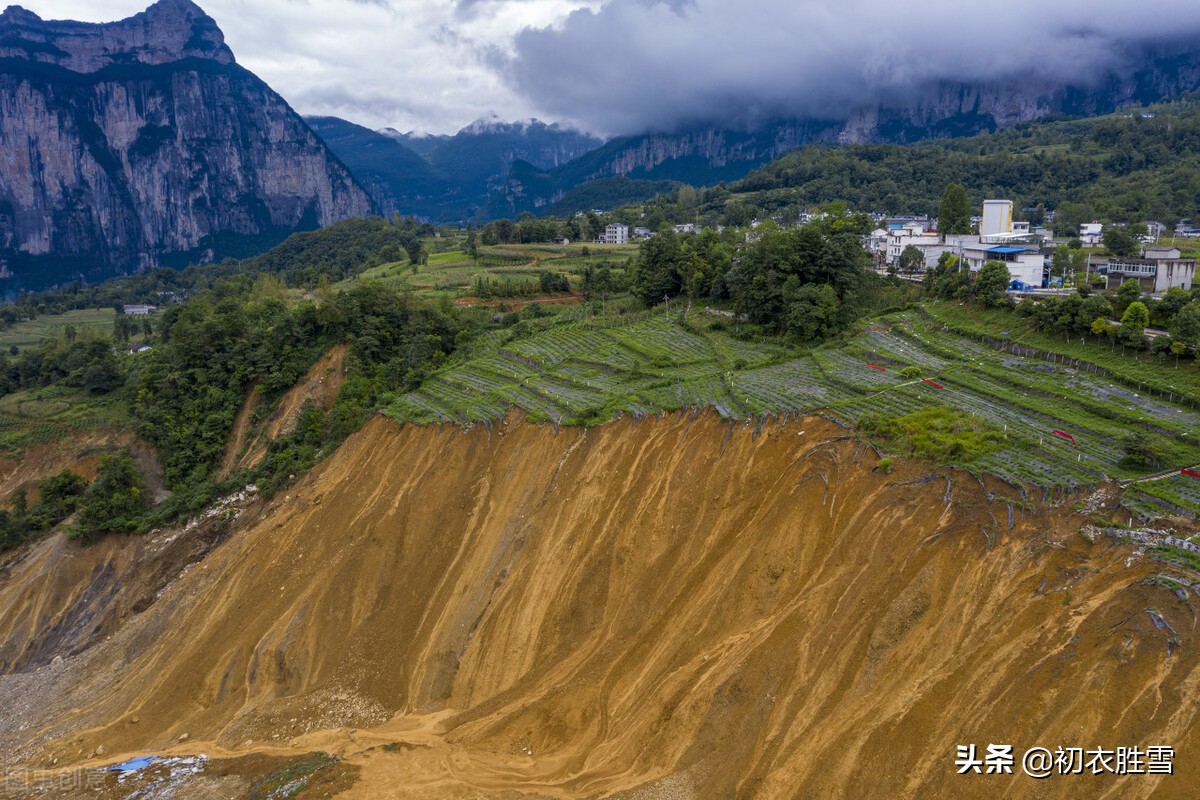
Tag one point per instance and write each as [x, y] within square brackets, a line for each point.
[452, 274]
[591, 363]
[584, 369]
[56, 413]
[28, 334]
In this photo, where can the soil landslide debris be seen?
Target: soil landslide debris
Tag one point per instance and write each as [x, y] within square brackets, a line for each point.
[676, 607]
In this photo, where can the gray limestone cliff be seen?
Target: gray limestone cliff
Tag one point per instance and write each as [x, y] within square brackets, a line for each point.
[141, 142]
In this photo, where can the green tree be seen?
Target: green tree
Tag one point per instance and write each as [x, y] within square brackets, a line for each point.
[100, 377]
[954, 214]
[1095, 307]
[1172, 303]
[912, 259]
[1141, 450]
[58, 497]
[1061, 264]
[416, 251]
[1185, 327]
[1128, 292]
[116, 500]
[1120, 241]
[812, 310]
[20, 502]
[1134, 322]
[660, 266]
[991, 283]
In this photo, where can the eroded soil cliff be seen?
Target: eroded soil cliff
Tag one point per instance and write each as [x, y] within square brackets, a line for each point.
[677, 607]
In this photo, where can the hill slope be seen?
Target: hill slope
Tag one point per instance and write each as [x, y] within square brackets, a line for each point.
[397, 178]
[448, 179]
[681, 607]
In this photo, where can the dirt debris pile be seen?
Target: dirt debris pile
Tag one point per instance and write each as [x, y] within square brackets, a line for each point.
[676, 607]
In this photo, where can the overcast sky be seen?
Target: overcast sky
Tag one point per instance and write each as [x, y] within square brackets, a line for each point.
[620, 66]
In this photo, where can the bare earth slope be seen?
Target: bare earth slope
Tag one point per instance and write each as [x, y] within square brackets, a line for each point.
[248, 443]
[672, 608]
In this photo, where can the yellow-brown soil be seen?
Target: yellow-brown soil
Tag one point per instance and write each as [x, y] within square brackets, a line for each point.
[667, 609]
[248, 442]
[39, 462]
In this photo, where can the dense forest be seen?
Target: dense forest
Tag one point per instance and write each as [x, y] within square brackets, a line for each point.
[302, 260]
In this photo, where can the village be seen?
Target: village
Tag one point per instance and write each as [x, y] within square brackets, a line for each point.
[909, 247]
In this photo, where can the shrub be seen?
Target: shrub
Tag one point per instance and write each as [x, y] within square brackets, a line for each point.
[1141, 450]
[116, 501]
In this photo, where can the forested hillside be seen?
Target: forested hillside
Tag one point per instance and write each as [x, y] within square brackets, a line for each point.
[1134, 166]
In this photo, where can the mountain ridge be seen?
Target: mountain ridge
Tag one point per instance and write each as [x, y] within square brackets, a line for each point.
[449, 179]
[142, 142]
[710, 153]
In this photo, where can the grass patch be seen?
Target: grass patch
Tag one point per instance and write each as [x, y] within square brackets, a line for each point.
[1178, 556]
[938, 432]
[29, 334]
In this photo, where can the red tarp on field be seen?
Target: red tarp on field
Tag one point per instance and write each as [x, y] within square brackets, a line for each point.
[1067, 436]
[1191, 473]
[934, 385]
[876, 366]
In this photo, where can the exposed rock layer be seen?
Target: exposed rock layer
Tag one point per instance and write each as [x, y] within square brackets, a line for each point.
[140, 142]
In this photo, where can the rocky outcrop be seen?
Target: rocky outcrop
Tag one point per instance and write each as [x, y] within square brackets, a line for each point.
[142, 142]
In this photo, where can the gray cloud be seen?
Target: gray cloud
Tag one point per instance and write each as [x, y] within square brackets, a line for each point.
[637, 64]
[619, 66]
[410, 64]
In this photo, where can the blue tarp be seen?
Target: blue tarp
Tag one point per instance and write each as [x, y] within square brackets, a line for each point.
[133, 765]
[1007, 249]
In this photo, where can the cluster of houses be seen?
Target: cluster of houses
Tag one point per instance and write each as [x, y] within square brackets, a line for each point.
[616, 233]
[1023, 249]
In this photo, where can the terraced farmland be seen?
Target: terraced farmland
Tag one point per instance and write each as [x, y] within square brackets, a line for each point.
[589, 370]
[1176, 494]
[56, 413]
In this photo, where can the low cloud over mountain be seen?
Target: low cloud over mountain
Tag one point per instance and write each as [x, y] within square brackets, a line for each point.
[634, 65]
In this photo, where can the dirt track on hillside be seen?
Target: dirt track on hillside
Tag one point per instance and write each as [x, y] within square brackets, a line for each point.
[670, 608]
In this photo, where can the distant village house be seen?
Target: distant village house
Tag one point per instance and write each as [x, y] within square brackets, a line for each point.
[616, 233]
[1159, 269]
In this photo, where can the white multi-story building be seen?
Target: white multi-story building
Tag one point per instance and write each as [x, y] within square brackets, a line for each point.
[1090, 233]
[616, 233]
[915, 234]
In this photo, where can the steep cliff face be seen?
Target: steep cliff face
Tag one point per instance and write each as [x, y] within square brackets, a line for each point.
[142, 142]
[962, 110]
